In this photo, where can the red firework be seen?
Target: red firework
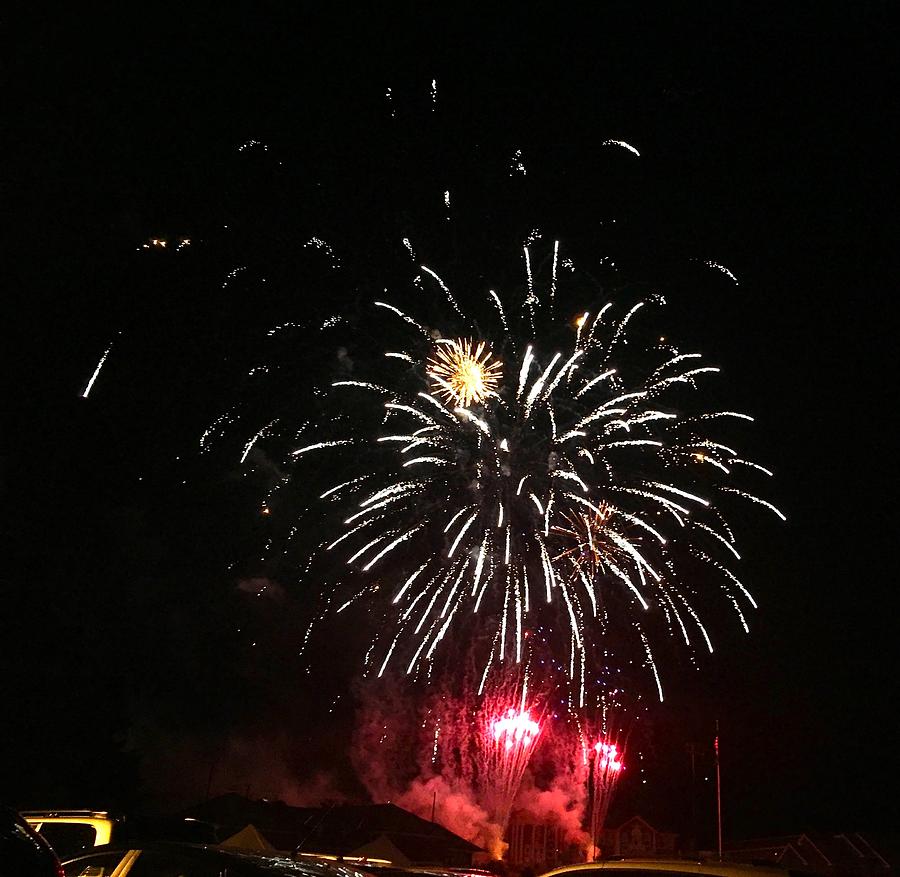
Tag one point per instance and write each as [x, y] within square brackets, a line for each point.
[604, 768]
[508, 738]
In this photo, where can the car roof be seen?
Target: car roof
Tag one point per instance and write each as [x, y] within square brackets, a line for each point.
[684, 866]
[379, 869]
[307, 867]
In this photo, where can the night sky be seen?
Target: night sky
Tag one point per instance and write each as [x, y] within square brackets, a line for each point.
[765, 141]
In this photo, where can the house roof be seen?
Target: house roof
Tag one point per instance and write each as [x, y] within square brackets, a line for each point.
[842, 852]
[340, 829]
[382, 848]
[622, 825]
[248, 838]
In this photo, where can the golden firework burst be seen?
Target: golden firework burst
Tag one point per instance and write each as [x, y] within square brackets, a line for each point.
[463, 371]
[586, 538]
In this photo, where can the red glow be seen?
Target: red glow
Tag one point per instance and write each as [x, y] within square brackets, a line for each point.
[515, 729]
[608, 756]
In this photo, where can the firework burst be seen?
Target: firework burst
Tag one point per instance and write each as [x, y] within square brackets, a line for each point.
[558, 491]
[463, 373]
[584, 541]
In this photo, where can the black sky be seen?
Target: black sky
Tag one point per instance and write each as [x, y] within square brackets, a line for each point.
[767, 143]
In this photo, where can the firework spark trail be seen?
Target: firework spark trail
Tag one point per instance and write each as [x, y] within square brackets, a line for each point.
[622, 144]
[724, 270]
[96, 373]
[255, 437]
[405, 317]
[445, 290]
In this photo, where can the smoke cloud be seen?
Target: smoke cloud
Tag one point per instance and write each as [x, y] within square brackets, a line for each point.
[562, 803]
[454, 806]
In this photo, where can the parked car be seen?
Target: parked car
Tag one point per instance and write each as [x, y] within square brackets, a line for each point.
[74, 831]
[386, 869]
[189, 860]
[665, 868]
[23, 852]
[71, 831]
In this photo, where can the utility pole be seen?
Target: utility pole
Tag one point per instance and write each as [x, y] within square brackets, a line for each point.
[692, 749]
[718, 789]
[591, 816]
[209, 777]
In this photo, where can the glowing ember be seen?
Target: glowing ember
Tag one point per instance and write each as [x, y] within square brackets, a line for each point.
[463, 373]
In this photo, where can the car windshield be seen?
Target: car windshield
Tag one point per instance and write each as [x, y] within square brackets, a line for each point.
[306, 867]
[69, 838]
[96, 865]
[199, 861]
